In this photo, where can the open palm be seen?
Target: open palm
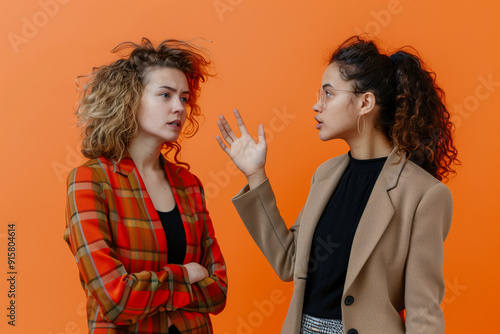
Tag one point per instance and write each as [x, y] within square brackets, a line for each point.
[248, 155]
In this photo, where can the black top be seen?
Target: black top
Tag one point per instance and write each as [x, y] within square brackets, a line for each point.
[333, 237]
[176, 236]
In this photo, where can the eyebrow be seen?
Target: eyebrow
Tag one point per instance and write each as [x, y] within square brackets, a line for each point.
[173, 89]
[327, 85]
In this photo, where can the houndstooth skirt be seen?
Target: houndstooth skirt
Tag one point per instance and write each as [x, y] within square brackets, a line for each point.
[312, 325]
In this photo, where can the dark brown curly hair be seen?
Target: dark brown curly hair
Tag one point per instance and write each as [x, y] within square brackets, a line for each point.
[108, 106]
[413, 114]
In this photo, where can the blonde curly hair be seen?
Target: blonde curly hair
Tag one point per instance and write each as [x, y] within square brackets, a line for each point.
[110, 98]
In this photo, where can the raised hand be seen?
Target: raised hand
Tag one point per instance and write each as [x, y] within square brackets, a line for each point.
[248, 155]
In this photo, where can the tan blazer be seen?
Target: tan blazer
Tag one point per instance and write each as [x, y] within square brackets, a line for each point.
[396, 260]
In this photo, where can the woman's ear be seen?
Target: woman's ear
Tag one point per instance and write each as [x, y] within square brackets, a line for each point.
[367, 103]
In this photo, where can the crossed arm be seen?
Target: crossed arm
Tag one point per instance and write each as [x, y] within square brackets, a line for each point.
[125, 297]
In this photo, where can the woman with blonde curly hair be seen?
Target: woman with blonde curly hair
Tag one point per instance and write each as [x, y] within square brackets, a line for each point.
[366, 252]
[136, 221]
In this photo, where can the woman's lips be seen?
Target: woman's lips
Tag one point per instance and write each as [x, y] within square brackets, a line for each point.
[175, 124]
[318, 126]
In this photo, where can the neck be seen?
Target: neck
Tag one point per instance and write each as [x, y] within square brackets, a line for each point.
[371, 144]
[145, 155]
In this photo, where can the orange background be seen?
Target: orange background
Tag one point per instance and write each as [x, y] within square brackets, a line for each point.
[269, 56]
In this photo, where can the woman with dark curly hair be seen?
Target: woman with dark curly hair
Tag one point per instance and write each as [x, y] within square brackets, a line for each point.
[136, 221]
[366, 252]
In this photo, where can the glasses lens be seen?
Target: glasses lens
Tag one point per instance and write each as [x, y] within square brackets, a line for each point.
[320, 97]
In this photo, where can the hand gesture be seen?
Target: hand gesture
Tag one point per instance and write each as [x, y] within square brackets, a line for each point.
[248, 155]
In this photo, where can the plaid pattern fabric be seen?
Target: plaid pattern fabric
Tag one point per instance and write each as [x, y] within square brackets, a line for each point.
[117, 238]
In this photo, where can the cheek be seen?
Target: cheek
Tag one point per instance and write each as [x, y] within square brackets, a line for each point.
[142, 121]
[146, 118]
[336, 111]
[140, 116]
[143, 117]
[341, 116]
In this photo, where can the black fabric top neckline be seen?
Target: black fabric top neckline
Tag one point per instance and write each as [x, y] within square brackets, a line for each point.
[366, 165]
[169, 213]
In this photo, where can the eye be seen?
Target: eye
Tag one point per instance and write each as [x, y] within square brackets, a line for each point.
[328, 93]
[185, 99]
[165, 95]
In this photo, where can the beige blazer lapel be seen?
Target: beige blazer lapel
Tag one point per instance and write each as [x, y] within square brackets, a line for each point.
[321, 190]
[376, 216]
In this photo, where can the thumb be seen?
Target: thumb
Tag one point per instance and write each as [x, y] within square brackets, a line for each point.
[262, 135]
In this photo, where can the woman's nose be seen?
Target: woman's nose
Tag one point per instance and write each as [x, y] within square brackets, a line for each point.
[317, 107]
[179, 106]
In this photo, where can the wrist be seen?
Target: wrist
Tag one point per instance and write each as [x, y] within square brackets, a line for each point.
[256, 178]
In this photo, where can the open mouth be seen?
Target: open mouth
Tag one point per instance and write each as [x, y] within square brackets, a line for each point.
[175, 123]
[318, 126]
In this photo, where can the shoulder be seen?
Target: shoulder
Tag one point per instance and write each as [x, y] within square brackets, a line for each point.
[416, 174]
[417, 182]
[430, 201]
[92, 169]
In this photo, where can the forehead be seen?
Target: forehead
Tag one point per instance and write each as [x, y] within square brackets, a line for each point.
[332, 76]
[166, 76]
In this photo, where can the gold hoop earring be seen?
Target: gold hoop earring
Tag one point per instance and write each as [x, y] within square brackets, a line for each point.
[364, 125]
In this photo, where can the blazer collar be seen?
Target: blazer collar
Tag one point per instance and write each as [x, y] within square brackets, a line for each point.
[377, 214]
[321, 190]
[392, 169]
[126, 165]
[185, 203]
[127, 168]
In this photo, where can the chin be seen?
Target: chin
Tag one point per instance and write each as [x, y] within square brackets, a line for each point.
[170, 138]
[326, 137]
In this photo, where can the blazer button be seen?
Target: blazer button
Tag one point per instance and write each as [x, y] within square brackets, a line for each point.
[352, 331]
[348, 301]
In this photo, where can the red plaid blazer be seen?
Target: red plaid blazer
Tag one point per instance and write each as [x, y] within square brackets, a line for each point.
[117, 238]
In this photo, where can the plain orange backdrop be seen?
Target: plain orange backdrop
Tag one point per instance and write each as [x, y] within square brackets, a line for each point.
[269, 57]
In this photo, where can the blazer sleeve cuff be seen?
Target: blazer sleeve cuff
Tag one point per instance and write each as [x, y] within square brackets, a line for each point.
[246, 190]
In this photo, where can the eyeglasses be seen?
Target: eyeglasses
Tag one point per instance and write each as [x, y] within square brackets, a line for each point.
[323, 94]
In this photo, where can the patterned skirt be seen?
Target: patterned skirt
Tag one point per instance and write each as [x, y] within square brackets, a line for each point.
[312, 325]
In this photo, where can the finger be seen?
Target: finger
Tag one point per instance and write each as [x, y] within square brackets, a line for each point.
[239, 120]
[222, 145]
[227, 129]
[262, 135]
[224, 132]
